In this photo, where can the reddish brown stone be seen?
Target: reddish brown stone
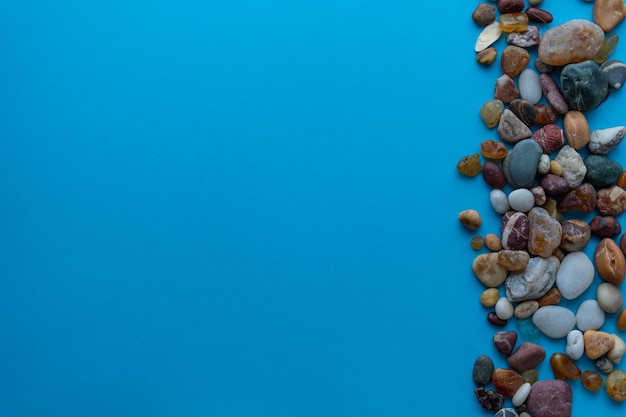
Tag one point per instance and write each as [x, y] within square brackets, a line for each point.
[582, 198]
[527, 356]
[611, 201]
[538, 15]
[605, 226]
[505, 342]
[493, 175]
[550, 138]
[506, 381]
[546, 114]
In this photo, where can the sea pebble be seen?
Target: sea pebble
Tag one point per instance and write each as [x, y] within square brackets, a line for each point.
[550, 398]
[488, 270]
[506, 381]
[499, 201]
[506, 412]
[521, 199]
[488, 36]
[543, 167]
[603, 141]
[602, 171]
[615, 72]
[583, 85]
[505, 89]
[550, 138]
[610, 297]
[616, 385]
[520, 164]
[554, 321]
[576, 129]
[544, 234]
[604, 365]
[589, 316]
[514, 60]
[553, 93]
[511, 129]
[611, 201]
[575, 347]
[525, 39]
[533, 281]
[597, 343]
[491, 111]
[524, 110]
[608, 13]
[504, 309]
[574, 168]
[526, 356]
[483, 368]
[504, 342]
[616, 353]
[575, 274]
[521, 394]
[574, 41]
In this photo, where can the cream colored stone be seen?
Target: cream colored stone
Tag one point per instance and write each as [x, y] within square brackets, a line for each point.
[488, 36]
[490, 297]
[526, 309]
[616, 354]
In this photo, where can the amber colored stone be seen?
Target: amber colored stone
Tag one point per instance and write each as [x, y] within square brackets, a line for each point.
[492, 149]
[545, 232]
[514, 60]
[506, 381]
[597, 343]
[470, 165]
[493, 242]
[514, 22]
[563, 367]
[487, 56]
[477, 242]
[621, 180]
[610, 261]
[621, 320]
[490, 112]
[530, 376]
[546, 114]
[513, 260]
[489, 297]
[582, 198]
[592, 380]
[608, 13]
[610, 42]
[552, 297]
[615, 385]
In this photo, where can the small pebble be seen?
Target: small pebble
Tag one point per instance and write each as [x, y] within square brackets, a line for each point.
[506, 381]
[604, 365]
[581, 198]
[469, 165]
[492, 149]
[552, 297]
[491, 111]
[521, 200]
[525, 39]
[592, 380]
[493, 175]
[610, 262]
[526, 309]
[470, 219]
[609, 297]
[575, 347]
[621, 321]
[499, 201]
[514, 60]
[484, 14]
[616, 354]
[553, 94]
[504, 342]
[493, 242]
[576, 129]
[543, 167]
[483, 368]
[616, 385]
[488, 270]
[527, 356]
[504, 309]
[505, 89]
[489, 297]
[576, 235]
[511, 129]
[522, 394]
[615, 72]
[563, 367]
[597, 343]
[574, 168]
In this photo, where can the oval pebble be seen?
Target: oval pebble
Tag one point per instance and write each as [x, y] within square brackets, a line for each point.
[529, 86]
[499, 201]
[554, 321]
[575, 347]
[521, 394]
[589, 316]
[575, 275]
[610, 297]
[521, 199]
[504, 309]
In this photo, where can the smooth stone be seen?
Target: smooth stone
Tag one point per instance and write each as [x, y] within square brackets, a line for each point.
[504, 309]
[563, 367]
[597, 343]
[589, 316]
[603, 141]
[608, 13]
[491, 111]
[493, 174]
[545, 232]
[554, 321]
[606, 227]
[488, 271]
[506, 412]
[615, 72]
[521, 199]
[582, 198]
[529, 86]
[505, 89]
[510, 6]
[610, 262]
[583, 85]
[616, 353]
[554, 185]
[576, 129]
[575, 347]
[550, 137]
[537, 15]
[526, 309]
[520, 164]
[506, 381]
[533, 281]
[488, 36]
[499, 201]
[610, 297]
[524, 110]
[602, 171]
[611, 201]
[574, 168]
[576, 235]
[550, 398]
[527, 356]
[575, 275]
[511, 129]
[616, 385]
[574, 41]
[553, 94]
[514, 60]
[525, 39]
[604, 365]
[483, 368]
[522, 394]
[504, 342]
[484, 14]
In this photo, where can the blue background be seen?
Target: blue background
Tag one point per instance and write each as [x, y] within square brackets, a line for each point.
[244, 208]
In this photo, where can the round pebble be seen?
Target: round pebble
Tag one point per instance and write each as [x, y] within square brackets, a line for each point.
[589, 316]
[575, 275]
[521, 199]
[499, 201]
[529, 86]
[554, 321]
[504, 309]
[609, 297]
[522, 394]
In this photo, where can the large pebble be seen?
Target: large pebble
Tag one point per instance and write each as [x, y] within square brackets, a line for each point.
[603, 141]
[575, 347]
[526, 356]
[582, 198]
[574, 41]
[610, 297]
[511, 128]
[608, 13]
[589, 316]
[554, 321]
[584, 86]
[533, 281]
[522, 394]
[550, 398]
[514, 60]
[520, 164]
[575, 275]
[615, 72]
[506, 381]
[610, 261]
[602, 171]
[574, 168]
[597, 343]
[529, 86]
[545, 232]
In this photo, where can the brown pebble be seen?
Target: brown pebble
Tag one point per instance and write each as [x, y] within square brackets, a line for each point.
[552, 297]
[505, 89]
[576, 129]
[493, 242]
[610, 262]
[526, 309]
[608, 13]
[552, 93]
[597, 343]
[469, 165]
[490, 297]
[470, 219]
[492, 149]
[616, 384]
[542, 67]
[484, 14]
[582, 198]
[513, 260]
[526, 356]
[477, 242]
[506, 381]
[611, 201]
[621, 320]
[514, 60]
[505, 342]
[495, 320]
[510, 6]
[563, 367]
[538, 15]
[621, 180]
[576, 235]
[487, 56]
[493, 175]
[592, 380]
[605, 226]
[546, 114]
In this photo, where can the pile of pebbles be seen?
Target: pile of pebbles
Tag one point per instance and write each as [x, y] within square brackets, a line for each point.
[548, 172]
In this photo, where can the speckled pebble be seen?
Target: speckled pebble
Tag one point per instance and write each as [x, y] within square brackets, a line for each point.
[610, 297]
[615, 72]
[574, 168]
[603, 141]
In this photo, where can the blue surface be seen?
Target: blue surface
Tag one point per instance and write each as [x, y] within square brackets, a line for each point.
[218, 208]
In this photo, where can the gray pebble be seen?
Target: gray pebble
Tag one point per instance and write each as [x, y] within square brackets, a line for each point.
[615, 72]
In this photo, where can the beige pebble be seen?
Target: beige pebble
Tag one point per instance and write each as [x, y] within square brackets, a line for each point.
[488, 36]
[610, 297]
[576, 129]
[616, 354]
[556, 168]
[490, 297]
[608, 13]
[526, 309]
[493, 242]
[597, 343]
[470, 219]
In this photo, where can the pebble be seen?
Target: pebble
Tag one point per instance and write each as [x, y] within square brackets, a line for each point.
[506, 381]
[576, 235]
[514, 22]
[533, 281]
[546, 113]
[542, 67]
[470, 219]
[526, 309]
[575, 347]
[505, 342]
[489, 400]
[553, 94]
[524, 110]
[611, 201]
[540, 195]
[522, 394]
[582, 198]
[554, 321]
[483, 368]
[545, 232]
[484, 14]
[530, 376]
[499, 201]
[521, 200]
[488, 270]
[529, 86]
[469, 165]
[514, 60]
[520, 164]
[488, 36]
[610, 297]
[621, 321]
[563, 367]
[537, 15]
[506, 412]
[589, 316]
[525, 39]
[576, 129]
[575, 275]
[510, 6]
[550, 138]
[605, 226]
[603, 141]
[608, 46]
[492, 149]
[592, 380]
[602, 171]
[493, 175]
[505, 89]
[504, 309]
[489, 297]
[574, 41]
[527, 356]
[608, 13]
[610, 262]
[616, 385]
[495, 320]
[513, 260]
[574, 168]
[597, 343]
[604, 365]
[491, 111]
[616, 354]
[615, 72]
[511, 129]
[583, 85]
[552, 297]
[543, 167]
[550, 398]
[554, 185]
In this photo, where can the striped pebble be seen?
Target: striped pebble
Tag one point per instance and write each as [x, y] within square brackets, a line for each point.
[615, 71]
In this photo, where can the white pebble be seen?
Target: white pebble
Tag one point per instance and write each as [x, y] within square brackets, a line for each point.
[554, 321]
[575, 344]
[504, 309]
[529, 86]
[521, 394]
[521, 199]
[544, 164]
[499, 201]
[488, 36]
[609, 297]
[589, 316]
[575, 275]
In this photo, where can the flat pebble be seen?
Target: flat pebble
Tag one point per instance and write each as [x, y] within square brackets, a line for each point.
[527, 356]
[521, 199]
[520, 164]
[575, 275]
[488, 270]
[533, 281]
[550, 398]
[522, 394]
[575, 347]
[483, 368]
[511, 129]
[488, 36]
[583, 85]
[589, 316]
[554, 321]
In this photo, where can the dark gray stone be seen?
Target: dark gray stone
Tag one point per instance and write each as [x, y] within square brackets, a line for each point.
[483, 368]
[520, 164]
[615, 72]
[602, 171]
[584, 85]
